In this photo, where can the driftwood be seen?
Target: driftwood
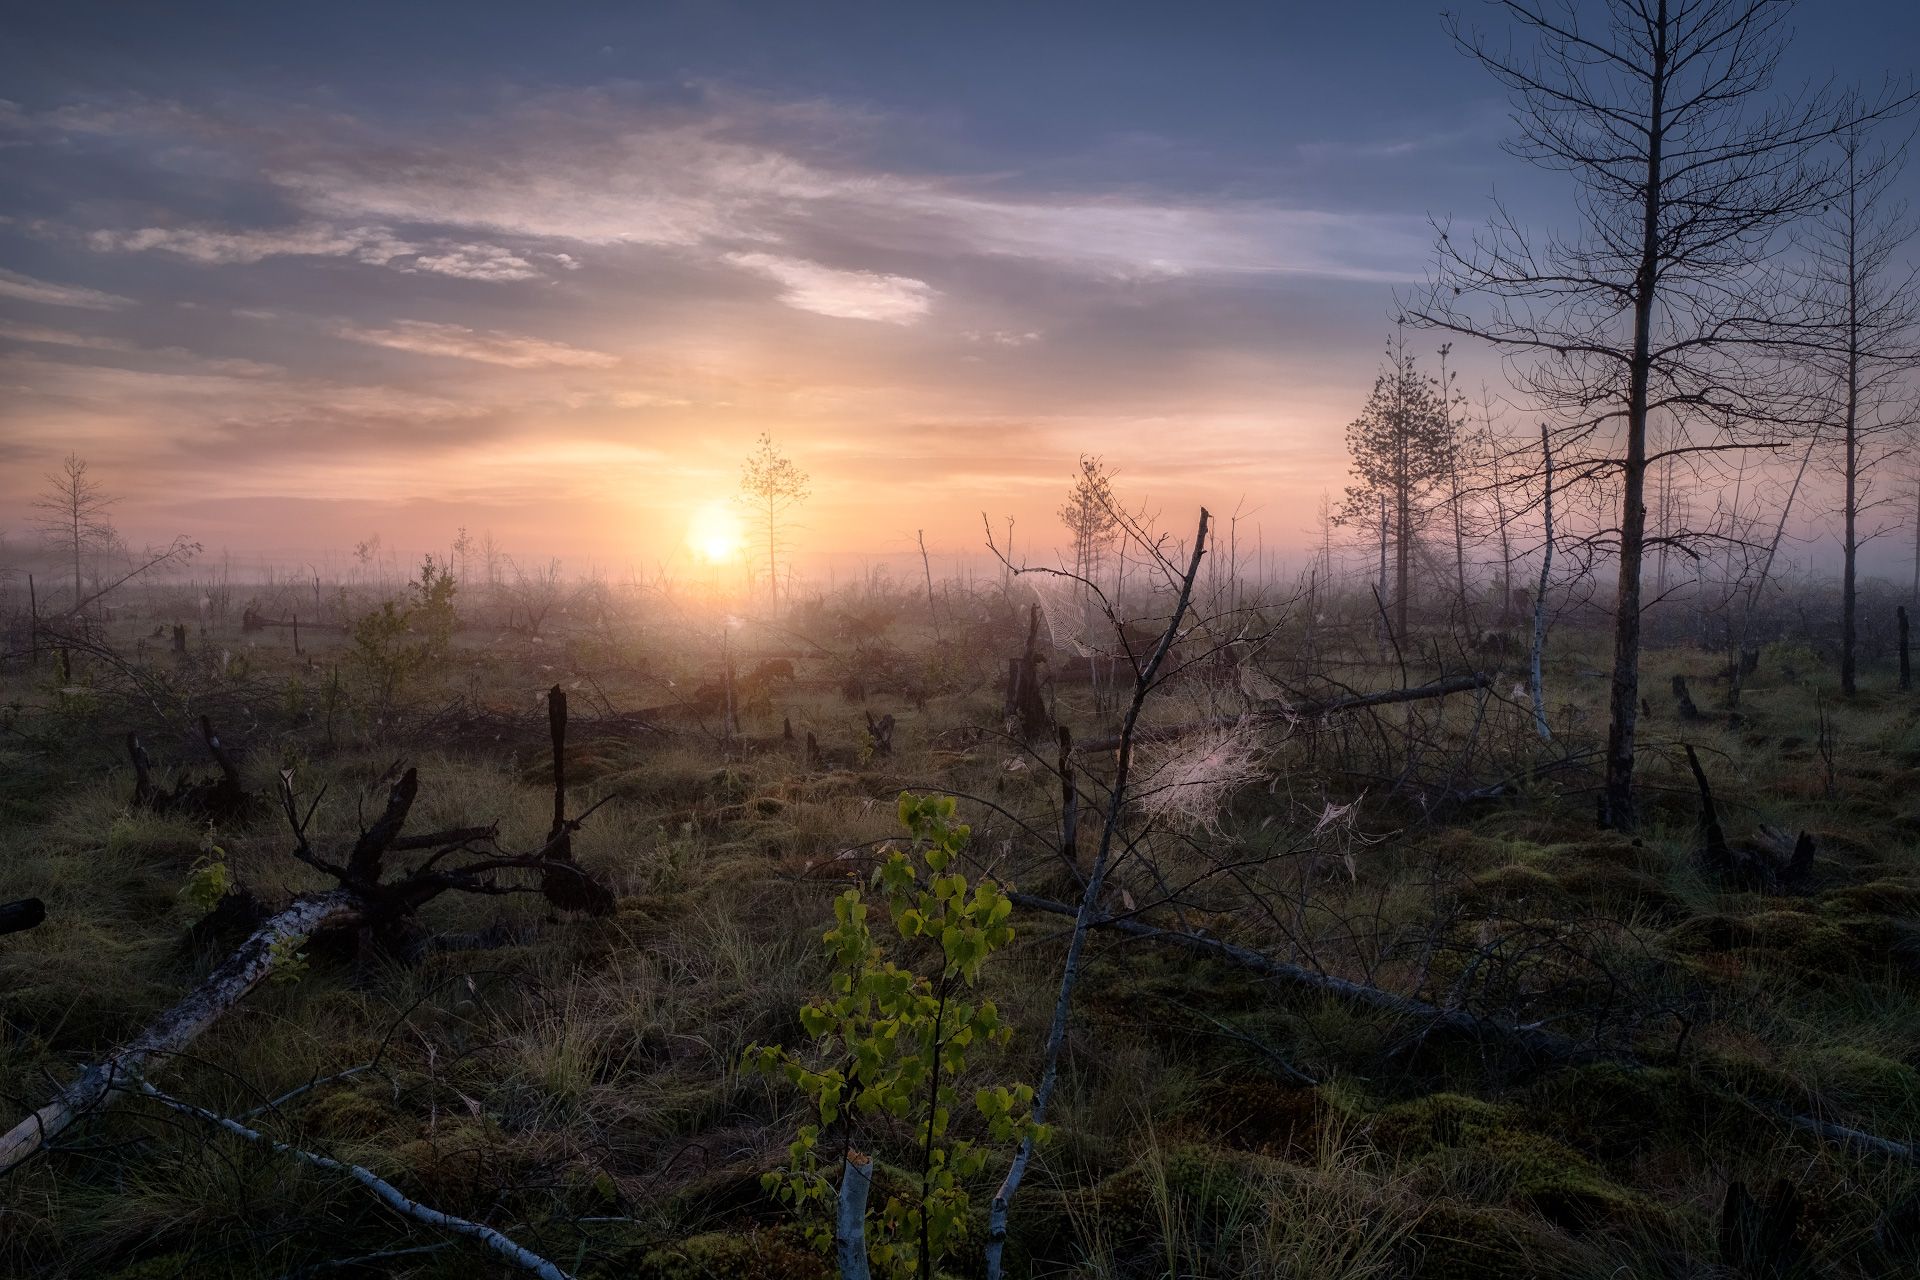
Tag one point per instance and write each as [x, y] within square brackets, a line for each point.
[365, 899]
[27, 913]
[1300, 711]
[175, 1029]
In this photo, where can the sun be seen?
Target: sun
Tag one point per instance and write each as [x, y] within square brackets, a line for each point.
[715, 534]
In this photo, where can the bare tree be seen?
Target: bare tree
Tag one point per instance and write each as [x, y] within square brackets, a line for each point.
[73, 518]
[771, 486]
[1865, 309]
[1687, 174]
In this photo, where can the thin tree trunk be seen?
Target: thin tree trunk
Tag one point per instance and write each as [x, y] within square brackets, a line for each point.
[1089, 908]
[1540, 600]
[1616, 804]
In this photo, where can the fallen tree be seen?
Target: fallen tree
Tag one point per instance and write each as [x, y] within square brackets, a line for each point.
[463, 860]
[1289, 712]
[1537, 1043]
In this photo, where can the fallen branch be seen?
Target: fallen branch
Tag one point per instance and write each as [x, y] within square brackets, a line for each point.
[1535, 1041]
[363, 899]
[1302, 711]
[174, 1030]
[518, 1254]
[1538, 1043]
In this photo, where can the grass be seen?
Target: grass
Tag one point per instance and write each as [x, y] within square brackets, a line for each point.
[579, 1088]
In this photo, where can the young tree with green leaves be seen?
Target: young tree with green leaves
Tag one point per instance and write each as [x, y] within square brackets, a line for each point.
[891, 1046]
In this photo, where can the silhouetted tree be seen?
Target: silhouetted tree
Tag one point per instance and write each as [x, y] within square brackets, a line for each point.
[1402, 447]
[1687, 175]
[771, 486]
[73, 517]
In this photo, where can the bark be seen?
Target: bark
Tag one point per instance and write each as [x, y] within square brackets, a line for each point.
[850, 1216]
[178, 1027]
[1534, 685]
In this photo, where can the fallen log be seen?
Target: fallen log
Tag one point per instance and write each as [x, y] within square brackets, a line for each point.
[175, 1029]
[27, 913]
[1535, 1041]
[1538, 1043]
[363, 899]
[1301, 711]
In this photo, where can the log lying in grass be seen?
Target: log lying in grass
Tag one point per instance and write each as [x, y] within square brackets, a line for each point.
[1535, 1042]
[1301, 711]
[21, 915]
[365, 898]
[516, 1253]
[175, 1029]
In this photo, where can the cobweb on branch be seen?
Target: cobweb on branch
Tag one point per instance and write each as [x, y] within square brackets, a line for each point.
[1187, 781]
[1074, 620]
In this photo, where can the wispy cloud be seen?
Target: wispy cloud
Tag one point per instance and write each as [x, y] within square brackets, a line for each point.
[27, 289]
[851, 295]
[374, 245]
[425, 337]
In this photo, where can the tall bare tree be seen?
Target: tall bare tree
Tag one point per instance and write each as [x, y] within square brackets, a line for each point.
[73, 518]
[1688, 170]
[771, 486]
[1865, 307]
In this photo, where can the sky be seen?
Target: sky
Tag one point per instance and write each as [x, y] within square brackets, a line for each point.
[292, 275]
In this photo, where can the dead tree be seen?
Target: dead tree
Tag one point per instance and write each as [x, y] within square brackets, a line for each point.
[222, 797]
[1145, 675]
[1024, 709]
[364, 898]
[1534, 684]
[1906, 663]
[1687, 177]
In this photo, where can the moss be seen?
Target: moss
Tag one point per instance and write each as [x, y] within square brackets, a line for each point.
[1257, 1115]
[1615, 1112]
[1803, 944]
[1460, 1142]
[1209, 1184]
[349, 1113]
[1518, 880]
[1467, 1242]
[1883, 897]
[776, 1254]
[1858, 1079]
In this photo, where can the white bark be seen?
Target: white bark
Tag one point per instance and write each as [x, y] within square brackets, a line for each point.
[175, 1029]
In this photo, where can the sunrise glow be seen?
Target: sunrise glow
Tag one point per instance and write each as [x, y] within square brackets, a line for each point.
[715, 534]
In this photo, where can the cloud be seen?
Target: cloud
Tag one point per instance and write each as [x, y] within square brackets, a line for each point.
[373, 245]
[851, 295]
[40, 336]
[209, 245]
[588, 170]
[425, 337]
[27, 289]
[1001, 337]
[477, 262]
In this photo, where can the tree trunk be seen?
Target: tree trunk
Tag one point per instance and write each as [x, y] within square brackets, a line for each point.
[1906, 666]
[1616, 802]
[1534, 685]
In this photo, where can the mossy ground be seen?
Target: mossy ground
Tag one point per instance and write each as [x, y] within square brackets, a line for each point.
[579, 1087]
